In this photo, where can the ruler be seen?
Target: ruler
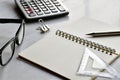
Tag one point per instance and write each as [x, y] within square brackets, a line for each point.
[111, 72]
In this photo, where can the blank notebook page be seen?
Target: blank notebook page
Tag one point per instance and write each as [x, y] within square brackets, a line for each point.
[60, 55]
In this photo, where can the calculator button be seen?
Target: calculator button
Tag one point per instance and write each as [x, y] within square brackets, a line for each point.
[26, 9]
[61, 8]
[40, 4]
[52, 8]
[24, 4]
[50, 5]
[54, 11]
[57, 4]
[47, 3]
[46, 12]
[28, 12]
[40, 13]
[37, 10]
[35, 7]
[30, 2]
[54, 1]
[44, 9]
[32, 5]
[32, 14]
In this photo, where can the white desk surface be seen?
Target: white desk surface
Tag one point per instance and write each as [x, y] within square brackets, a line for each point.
[107, 11]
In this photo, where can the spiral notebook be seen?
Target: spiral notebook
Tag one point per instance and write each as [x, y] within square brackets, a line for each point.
[61, 51]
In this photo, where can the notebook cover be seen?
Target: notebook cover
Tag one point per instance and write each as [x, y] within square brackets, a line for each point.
[60, 55]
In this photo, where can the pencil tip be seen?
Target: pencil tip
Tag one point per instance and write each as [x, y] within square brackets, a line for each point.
[89, 34]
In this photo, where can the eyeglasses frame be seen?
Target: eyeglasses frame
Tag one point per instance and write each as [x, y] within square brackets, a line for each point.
[15, 40]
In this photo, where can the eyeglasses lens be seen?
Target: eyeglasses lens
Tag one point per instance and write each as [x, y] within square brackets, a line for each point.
[20, 35]
[7, 53]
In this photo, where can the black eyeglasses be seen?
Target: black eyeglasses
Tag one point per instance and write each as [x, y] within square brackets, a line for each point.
[7, 51]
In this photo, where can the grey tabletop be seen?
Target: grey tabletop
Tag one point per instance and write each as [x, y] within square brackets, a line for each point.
[103, 10]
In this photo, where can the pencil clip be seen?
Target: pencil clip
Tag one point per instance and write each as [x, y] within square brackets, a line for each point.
[43, 28]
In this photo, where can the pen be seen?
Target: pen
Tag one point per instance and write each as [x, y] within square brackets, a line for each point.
[102, 34]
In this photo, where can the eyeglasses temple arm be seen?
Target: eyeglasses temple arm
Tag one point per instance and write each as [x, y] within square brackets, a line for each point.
[4, 20]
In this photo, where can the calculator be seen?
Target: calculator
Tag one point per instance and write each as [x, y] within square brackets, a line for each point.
[35, 9]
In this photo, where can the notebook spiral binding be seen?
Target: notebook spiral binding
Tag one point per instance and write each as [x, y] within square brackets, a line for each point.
[87, 43]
